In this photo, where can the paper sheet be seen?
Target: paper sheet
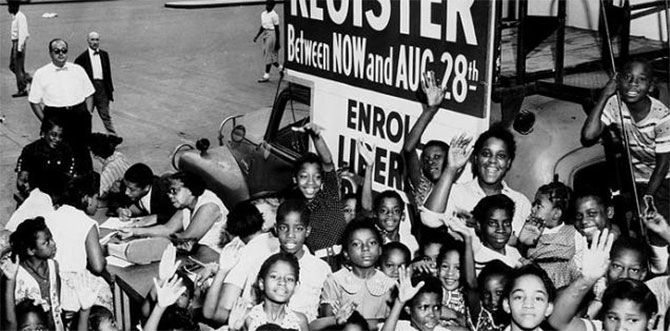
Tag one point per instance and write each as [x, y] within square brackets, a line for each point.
[114, 223]
[118, 262]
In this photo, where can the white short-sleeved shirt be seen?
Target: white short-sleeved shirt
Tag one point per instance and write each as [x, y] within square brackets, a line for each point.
[485, 255]
[60, 87]
[252, 256]
[36, 204]
[313, 274]
[69, 227]
[465, 196]
[212, 236]
[648, 137]
[269, 20]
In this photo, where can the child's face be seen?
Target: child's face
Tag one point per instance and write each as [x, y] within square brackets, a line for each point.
[626, 264]
[280, 282]
[292, 233]
[493, 161]
[108, 325]
[625, 315]
[450, 271]
[590, 216]
[389, 214]
[432, 162]
[528, 303]
[349, 209]
[309, 180]
[425, 311]
[45, 247]
[497, 229]
[635, 82]
[22, 182]
[364, 248]
[392, 262]
[492, 293]
[32, 322]
[184, 300]
[544, 209]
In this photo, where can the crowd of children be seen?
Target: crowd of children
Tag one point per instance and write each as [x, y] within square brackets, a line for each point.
[486, 258]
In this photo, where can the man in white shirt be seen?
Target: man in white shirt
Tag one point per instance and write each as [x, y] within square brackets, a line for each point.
[96, 64]
[19, 36]
[62, 89]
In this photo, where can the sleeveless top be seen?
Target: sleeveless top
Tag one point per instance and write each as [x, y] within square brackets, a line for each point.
[211, 237]
[258, 317]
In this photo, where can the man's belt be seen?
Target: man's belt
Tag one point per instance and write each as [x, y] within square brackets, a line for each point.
[328, 251]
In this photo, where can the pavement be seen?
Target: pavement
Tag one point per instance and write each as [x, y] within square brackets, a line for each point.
[177, 74]
[198, 4]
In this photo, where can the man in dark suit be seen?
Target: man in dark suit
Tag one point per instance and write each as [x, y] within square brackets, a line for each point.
[96, 64]
[143, 194]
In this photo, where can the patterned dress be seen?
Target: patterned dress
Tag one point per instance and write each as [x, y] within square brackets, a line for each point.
[257, 317]
[27, 287]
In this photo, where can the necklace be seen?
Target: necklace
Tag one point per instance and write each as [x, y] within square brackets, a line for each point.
[34, 270]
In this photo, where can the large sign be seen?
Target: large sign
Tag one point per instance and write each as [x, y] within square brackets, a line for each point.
[364, 60]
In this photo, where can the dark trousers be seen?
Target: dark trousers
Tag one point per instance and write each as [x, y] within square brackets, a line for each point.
[101, 103]
[76, 132]
[17, 66]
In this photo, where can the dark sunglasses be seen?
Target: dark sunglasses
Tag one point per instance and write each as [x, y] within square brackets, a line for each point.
[60, 51]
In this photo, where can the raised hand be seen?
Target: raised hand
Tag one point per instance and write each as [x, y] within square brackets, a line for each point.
[459, 152]
[169, 264]
[343, 311]
[612, 85]
[434, 93]
[368, 154]
[10, 268]
[170, 291]
[531, 231]
[459, 226]
[657, 223]
[238, 314]
[426, 266]
[596, 257]
[405, 289]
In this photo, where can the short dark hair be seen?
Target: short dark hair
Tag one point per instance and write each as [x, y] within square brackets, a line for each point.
[490, 203]
[293, 206]
[599, 194]
[175, 318]
[388, 194]
[191, 181]
[28, 306]
[97, 315]
[632, 244]
[186, 282]
[51, 182]
[395, 246]
[77, 188]
[646, 63]
[139, 174]
[309, 157]
[497, 130]
[103, 145]
[491, 269]
[13, 6]
[25, 235]
[55, 40]
[559, 194]
[356, 225]
[244, 219]
[437, 143]
[633, 290]
[430, 285]
[49, 123]
[531, 269]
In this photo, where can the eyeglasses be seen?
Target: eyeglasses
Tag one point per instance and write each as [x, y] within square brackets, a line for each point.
[60, 51]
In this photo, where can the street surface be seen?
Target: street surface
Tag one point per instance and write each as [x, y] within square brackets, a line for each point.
[177, 73]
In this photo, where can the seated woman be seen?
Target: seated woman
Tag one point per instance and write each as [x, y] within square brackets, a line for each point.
[114, 163]
[47, 154]
[199, 218]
